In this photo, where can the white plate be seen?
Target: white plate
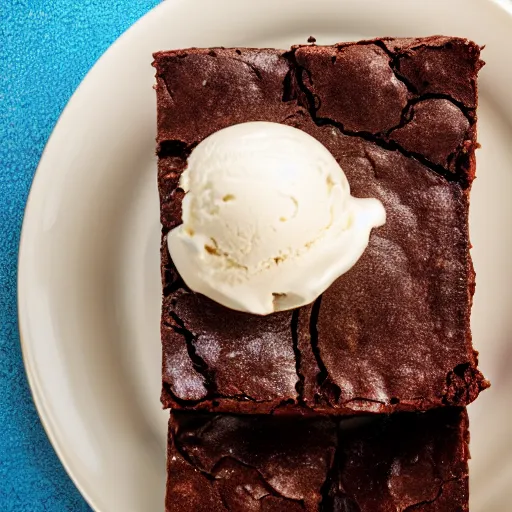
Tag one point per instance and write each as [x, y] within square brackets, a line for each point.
[89, 287]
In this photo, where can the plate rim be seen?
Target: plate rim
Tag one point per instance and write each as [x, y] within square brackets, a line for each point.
[39, 400]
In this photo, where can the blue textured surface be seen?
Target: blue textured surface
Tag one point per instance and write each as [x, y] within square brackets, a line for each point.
[46, 48]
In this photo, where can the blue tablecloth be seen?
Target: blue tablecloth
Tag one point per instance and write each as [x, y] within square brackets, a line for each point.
[46, 48]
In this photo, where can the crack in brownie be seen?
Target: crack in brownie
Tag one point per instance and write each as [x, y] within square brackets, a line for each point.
[407, 462]
[399, 116]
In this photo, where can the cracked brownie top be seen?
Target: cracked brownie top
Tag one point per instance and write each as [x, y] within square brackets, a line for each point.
[393, 332]
[407, 462]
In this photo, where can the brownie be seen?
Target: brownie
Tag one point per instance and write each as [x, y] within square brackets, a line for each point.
[406, 461]
[393, 333]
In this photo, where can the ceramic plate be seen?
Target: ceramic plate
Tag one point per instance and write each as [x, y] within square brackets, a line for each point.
[89, 288]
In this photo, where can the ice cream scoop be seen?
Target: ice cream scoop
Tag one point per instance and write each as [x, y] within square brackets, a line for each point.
[268, 219]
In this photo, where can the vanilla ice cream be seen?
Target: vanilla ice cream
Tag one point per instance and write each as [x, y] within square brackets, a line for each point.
[268, 219]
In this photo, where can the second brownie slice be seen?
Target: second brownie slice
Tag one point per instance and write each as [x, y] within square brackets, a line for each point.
[409, 462]
[392, 333]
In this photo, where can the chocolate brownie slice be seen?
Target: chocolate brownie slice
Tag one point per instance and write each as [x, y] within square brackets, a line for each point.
[399, 115]
[408, 462]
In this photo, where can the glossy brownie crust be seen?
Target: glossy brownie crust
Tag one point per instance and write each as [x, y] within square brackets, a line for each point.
[392, 333]
[407, 462]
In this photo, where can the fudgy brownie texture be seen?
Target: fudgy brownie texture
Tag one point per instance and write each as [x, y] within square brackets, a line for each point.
[407, 462]
[392, 333]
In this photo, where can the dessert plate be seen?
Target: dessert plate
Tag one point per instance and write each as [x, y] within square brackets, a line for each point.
[89, 288]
